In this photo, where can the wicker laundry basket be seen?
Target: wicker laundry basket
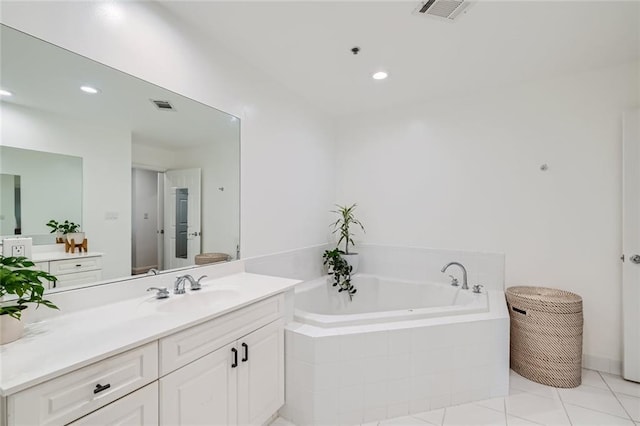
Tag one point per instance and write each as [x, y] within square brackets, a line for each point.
[546, 335]
[206, 258]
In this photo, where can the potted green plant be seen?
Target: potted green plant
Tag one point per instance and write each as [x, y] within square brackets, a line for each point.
[343, 226]
[340, 270]
[72, 231]
[17, 278]
[57, 228]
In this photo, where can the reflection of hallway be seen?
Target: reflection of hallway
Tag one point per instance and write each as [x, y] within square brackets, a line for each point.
[145, 216]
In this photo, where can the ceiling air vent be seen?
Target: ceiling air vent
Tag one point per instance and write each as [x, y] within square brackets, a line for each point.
[443, 9]
[163, 105]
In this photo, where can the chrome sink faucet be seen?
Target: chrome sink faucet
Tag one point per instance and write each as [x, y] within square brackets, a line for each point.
[465, 286]
[193, 283]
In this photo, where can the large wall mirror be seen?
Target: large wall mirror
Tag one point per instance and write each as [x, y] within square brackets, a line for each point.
[152, 177]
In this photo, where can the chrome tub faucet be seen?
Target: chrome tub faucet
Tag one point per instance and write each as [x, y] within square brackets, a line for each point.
[465, 286]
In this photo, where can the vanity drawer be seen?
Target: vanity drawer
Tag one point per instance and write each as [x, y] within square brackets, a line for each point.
[71, 266]
[186, 346]
[66, 398]
[41, 266]
[78, 278]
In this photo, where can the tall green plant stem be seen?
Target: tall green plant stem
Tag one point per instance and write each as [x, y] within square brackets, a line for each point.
[344, 223]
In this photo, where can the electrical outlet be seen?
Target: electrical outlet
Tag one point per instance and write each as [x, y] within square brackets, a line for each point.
[17, 247]
[17, 250]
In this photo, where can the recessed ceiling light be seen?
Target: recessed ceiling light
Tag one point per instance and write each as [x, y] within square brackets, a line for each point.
[89, 89]
[380, 75]
[5, 93]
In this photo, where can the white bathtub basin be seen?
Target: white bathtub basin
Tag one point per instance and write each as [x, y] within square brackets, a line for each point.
[381, 300]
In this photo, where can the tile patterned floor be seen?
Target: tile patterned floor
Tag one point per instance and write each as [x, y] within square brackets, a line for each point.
[602, 400]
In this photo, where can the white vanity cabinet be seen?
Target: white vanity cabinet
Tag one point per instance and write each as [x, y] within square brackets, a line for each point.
[68, 397]
[137, 409]
[70, 269]
[225, 370]
[240, 383]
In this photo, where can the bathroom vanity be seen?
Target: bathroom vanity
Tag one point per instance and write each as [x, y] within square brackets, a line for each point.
[214, 356]
[70, 268]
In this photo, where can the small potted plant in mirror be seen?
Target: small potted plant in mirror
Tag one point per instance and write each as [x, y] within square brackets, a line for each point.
[17, 277]
[343, 226]
[340, 270]
[56, 227]
[72, 231]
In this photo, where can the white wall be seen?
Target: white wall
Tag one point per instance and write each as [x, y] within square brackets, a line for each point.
[51, 184]
[108, 155]
[464, 173]
[286, 145]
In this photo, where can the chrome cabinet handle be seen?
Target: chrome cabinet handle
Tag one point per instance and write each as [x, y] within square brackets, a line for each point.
[635, 259]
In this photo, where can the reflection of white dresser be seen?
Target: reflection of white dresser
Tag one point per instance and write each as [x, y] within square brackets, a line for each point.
[70, 268]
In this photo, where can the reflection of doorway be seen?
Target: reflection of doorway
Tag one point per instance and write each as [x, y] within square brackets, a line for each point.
[146, 220]
[182, 195]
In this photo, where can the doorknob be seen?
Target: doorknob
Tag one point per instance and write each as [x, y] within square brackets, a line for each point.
[635, 258]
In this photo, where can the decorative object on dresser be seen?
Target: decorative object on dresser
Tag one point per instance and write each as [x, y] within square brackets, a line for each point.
[70, 245]
[343, 226]
[56, 228]
[17, 278]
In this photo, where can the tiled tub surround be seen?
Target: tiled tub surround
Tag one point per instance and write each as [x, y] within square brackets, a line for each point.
[365, 373]
[362, 366]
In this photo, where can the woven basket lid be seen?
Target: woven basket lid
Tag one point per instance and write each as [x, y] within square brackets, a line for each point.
[204, 258]
[546, 299]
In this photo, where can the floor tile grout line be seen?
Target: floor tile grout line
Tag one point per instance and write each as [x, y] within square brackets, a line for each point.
[504, 407]
[616, 397]
[564, 407]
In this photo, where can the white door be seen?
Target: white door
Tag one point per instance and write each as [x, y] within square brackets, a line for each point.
[631, 246]
[137, 409]
[201, 393]
[261, 374]
[181, 217]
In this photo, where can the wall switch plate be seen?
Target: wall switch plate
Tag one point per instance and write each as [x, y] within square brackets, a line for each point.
[17, 247]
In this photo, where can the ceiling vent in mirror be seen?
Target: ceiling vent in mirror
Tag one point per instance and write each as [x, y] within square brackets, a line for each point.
[163, 105]
[443, 9]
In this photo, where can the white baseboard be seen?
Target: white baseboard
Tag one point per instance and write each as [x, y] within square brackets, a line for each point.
[605, 365]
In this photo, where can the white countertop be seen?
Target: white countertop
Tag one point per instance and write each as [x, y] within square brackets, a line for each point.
[61, 255]
[60, 345]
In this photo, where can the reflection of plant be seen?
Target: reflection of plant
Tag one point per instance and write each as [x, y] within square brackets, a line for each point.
[341, 271]
[65, 227]
[16, 278]
[55, 226]
[343, 223]
[70, 227]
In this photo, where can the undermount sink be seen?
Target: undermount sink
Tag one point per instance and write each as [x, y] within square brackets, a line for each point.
[197, 300]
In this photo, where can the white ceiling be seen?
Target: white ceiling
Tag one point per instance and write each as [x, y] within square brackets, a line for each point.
[48, 78]
[306, 45]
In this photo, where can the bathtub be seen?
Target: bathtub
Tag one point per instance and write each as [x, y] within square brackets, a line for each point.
[380, 299]
[399, 347]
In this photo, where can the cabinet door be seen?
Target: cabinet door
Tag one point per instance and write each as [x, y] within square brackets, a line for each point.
[137, 409]
[201, 393]
[261, 374]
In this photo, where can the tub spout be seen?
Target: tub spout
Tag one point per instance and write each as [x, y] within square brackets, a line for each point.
[465, 286]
